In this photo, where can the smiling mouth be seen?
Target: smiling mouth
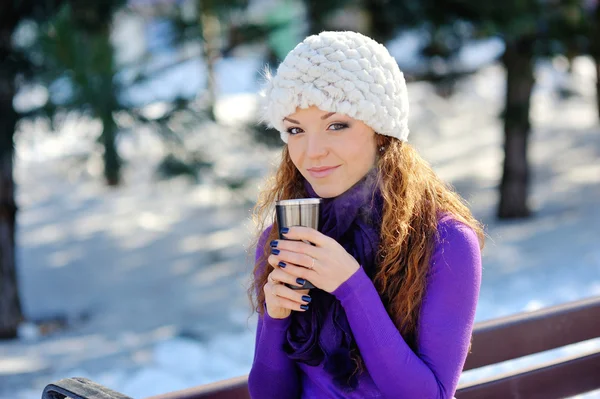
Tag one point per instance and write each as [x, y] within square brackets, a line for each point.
[322, 172]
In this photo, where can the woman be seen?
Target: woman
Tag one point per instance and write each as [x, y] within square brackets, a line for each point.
[396, 260]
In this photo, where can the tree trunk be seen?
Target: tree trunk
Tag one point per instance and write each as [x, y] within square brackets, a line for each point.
[106, 102]
[597, 60]
[10, 305]
[595, 50]
[519, 61]
[210, 35]
[381, 26]
[112, 161]
[317, 12]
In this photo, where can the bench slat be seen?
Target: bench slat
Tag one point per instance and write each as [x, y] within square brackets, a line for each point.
[496, 341]
[558, 379]
[524, 334]
[234, 388]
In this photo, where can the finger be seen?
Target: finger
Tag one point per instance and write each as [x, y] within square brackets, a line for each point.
[281, 276]
[270, 290]
[309, 234]
[284, 297]
[273, 260]
[300, 297]
[295, 258]
[297, 247]
[300, 272]
[288, 304]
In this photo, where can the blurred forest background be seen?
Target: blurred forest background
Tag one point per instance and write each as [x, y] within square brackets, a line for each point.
[131, 154]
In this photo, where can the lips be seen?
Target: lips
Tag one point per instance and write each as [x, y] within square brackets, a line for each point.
[322, 171]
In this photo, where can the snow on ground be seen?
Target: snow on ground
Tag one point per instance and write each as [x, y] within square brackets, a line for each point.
[152, 275]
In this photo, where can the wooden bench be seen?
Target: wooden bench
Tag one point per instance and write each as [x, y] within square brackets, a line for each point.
[525, 334]
[497, 341]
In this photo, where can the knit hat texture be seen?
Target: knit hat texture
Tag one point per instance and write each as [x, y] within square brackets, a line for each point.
[342, 72]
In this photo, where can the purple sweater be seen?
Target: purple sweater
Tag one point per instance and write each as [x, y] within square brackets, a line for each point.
[393, 370]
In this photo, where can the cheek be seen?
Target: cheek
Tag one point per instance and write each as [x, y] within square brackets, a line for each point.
[295, 153]
[362, 152]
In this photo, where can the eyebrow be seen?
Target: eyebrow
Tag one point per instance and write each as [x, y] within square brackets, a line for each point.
[297, 123]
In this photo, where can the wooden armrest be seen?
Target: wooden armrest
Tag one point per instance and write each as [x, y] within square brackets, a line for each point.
[79, 388]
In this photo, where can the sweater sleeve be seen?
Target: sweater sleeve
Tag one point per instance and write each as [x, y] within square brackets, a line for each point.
[445, 322]
[273, 374]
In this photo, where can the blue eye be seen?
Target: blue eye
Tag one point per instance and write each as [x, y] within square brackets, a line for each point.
[338, 126]
[292, 130]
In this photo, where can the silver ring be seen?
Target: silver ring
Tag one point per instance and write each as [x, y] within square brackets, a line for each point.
[313, 263]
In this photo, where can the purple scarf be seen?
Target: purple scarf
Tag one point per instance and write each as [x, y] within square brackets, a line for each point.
[322, 335]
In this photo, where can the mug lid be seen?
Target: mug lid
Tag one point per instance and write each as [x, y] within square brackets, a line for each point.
[299, 201]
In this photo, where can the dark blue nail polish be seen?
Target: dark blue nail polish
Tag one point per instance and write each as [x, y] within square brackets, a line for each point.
[306, 298]
[274, 244]
[285, 230]
[301, 281]
[281, 264]
[304, 307]
[275, 251]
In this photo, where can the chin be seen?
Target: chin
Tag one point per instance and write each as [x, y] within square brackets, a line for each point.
[326, 190]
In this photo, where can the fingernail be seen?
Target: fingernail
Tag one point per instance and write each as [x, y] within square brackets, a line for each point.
[304, 307]
[300, 281]
[281, 264]
[273, 243]
[306, 298]
[275, 251]
[285, 230]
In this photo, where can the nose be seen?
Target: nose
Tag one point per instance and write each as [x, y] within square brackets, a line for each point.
[316, 146]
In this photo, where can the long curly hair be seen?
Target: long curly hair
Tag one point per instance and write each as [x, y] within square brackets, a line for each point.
[414, 197]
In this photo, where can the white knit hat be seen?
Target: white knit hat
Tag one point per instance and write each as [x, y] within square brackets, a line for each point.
[344, 72]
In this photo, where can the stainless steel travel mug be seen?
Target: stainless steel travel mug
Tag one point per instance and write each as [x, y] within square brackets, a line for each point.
[298, 212]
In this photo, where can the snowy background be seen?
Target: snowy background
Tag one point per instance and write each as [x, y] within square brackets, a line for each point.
[152, 276]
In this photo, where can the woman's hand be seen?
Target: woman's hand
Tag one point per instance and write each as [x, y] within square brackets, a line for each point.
[327, 264]
[281, 300]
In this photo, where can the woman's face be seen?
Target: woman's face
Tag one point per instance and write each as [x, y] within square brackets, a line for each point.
[332, 151]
